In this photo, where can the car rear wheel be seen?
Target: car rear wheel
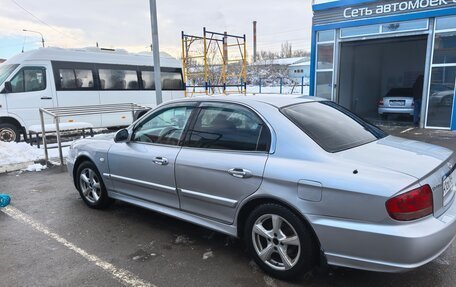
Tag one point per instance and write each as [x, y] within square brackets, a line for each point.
[279, 241]
[9, 133]
[91, 187]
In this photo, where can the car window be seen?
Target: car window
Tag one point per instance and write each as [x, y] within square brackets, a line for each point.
[5, 71]
[331, 126]
[166, 127]
[230, 128]
[29, 80]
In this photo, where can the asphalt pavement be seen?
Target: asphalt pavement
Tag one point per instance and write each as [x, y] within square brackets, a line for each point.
[50, 238]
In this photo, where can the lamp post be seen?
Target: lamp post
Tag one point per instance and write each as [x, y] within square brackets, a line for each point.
[42, 38]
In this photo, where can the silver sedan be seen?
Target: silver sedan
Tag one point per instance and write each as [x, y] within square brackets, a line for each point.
[300, 179]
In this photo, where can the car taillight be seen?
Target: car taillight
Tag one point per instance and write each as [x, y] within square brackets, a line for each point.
[380, 103]
[411, 205]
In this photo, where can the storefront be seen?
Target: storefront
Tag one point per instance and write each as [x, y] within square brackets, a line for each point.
[364, 51]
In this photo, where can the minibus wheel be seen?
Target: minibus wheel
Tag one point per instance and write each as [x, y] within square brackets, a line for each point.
[9, 133]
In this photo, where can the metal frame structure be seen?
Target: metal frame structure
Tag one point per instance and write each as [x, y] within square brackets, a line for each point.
[215, 63]
[59, 112]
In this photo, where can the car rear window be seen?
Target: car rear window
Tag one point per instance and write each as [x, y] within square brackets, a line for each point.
[400, 92]
[331, 126]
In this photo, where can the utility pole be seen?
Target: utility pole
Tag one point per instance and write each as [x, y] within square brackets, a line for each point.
[156, 50]
[254, 41]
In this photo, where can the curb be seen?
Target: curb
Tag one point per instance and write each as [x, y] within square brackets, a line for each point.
[15, 167]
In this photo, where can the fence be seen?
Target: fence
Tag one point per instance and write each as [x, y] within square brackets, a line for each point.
[279, 85]
[59, 112]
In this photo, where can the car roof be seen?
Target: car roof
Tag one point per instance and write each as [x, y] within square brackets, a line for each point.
[277, 100]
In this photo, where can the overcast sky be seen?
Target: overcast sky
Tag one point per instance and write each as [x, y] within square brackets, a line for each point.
[126, 23]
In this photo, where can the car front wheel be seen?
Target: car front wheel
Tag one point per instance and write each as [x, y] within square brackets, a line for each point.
[279, 241]
[91, 186]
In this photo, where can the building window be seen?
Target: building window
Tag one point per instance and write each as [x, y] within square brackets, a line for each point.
[323, 88]
[325, 36]
[443, 74]
[445, 48]
[445, 23]
[395, 27]
[324, 65]
[441, 95]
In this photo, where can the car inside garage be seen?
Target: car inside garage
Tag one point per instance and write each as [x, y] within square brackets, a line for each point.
[382, 72]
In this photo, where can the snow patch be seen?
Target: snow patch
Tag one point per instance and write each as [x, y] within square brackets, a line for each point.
[208, 255]
[35, 167]
[14, 153]
[21, 156]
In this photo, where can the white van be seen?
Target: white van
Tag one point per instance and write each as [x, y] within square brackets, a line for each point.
[55, 77]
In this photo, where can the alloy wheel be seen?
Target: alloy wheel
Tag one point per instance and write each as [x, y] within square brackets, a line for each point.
[90, 185]
[276, 242]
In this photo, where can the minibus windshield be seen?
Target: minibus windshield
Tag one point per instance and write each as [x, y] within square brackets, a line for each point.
[5, 71]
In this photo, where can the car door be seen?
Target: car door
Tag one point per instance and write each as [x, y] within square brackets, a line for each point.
[143, 168]
[222, 160]
[31, 90]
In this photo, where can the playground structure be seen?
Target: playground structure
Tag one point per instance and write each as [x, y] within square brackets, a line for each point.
[214, 63]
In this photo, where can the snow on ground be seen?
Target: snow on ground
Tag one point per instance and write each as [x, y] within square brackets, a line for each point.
[35, 167]
[12, 153]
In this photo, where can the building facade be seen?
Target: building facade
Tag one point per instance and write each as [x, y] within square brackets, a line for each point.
[364, 49]
[299, 72]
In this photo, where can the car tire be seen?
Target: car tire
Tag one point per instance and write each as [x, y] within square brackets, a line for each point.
[9, 133]
[91, 186]
[284, 249]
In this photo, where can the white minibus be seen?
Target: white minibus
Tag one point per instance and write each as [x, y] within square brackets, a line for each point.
[56, 77]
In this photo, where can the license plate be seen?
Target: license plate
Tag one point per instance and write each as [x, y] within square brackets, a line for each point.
[397, 103]
[448, 184]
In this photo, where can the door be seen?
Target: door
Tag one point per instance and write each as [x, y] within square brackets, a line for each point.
[143, 168]
[222, 160]
[31, 90]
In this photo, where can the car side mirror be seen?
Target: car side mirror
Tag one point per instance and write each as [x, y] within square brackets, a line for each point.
[122, 136]
[8, 88]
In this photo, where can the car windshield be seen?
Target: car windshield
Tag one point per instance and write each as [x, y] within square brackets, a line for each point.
[5, 71]
[331, 126]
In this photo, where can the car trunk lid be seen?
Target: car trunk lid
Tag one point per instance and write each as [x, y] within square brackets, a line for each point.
[429, 164]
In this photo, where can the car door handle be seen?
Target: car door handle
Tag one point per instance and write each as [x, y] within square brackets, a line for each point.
[240, 172]
[46, 98]
[160, 160]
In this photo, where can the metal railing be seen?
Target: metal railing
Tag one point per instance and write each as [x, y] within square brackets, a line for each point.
[59, 112]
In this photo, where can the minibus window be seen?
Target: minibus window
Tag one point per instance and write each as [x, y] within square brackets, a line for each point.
[29, 80]
[5, 71]
[171, 81]
[148, 80]
[72, 79]
[118, 79]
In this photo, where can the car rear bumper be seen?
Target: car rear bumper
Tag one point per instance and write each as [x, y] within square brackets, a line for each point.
[385, 248]
[396, 110]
